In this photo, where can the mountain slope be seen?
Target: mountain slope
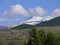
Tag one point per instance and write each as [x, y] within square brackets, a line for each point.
[52, 22]
[33, 20]
[23, 26]
[29, 23]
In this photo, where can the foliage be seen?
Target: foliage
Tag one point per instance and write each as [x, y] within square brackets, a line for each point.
[33, 39]
[40, 35]
[42, 38]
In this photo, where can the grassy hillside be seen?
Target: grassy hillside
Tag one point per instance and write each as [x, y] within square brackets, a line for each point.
[13, 37]
[20, 37]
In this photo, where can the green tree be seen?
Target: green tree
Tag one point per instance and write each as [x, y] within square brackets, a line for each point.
[33, 39]
[50, 40]
[42, 36]
[58, 40]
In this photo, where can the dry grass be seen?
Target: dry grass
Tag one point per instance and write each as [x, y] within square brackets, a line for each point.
[19, 37]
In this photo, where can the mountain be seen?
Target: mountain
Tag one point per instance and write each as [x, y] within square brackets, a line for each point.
[37, 22]
[4, 28]
[22, 26]
[30, 21]
[33, 20]
[52, 22]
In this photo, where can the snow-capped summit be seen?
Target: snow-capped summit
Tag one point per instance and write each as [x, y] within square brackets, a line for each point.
[30, 21]
[34, 20]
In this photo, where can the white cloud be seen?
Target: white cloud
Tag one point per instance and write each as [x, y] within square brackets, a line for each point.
[56, 12]
[46, 18]
[19, 9]
[38, 11]
[15, 11]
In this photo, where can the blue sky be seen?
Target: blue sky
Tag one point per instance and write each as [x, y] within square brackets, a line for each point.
[16, 11]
